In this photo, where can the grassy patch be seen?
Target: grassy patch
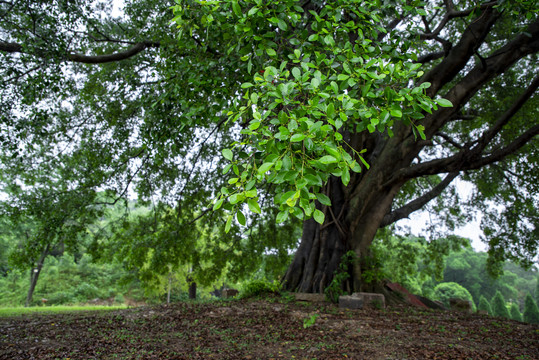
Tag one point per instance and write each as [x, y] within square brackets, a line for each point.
[15, 311]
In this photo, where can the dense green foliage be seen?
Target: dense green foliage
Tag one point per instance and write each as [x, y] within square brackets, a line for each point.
[64, 281]
[531, 311]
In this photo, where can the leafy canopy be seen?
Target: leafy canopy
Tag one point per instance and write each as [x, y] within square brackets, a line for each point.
[306, 84]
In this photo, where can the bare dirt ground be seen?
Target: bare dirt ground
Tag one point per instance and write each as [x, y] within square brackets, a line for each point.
[266, 329]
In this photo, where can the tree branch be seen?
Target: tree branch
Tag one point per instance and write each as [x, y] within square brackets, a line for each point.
[451, 14]
[414, 205]
[88, 59]
[423, 59]
[470, 158]
[459, 55]
[500, 154]
[448, 139]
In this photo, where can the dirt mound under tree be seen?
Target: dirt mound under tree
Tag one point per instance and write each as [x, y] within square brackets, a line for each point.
[266, 329]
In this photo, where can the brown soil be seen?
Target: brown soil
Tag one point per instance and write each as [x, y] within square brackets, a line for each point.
[266, 329]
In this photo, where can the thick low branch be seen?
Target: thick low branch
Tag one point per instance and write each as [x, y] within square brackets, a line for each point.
[418, 203]
[88, 59]
[500, 154]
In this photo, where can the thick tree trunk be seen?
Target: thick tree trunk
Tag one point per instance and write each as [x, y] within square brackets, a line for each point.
[34, 275]
[357, 212]
[323, 246]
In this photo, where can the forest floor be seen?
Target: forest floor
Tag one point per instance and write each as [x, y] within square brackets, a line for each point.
[266, 329]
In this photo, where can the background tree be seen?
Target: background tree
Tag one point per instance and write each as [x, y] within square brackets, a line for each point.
[531, 311]
[514, 312]
[498, 306]
[299, 98]
[484, 305]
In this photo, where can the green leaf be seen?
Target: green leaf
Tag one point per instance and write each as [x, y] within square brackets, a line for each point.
[323, 199]
[227, 153]
[282, 216]
[236, 8]
[218, 204]
[328, 159]
[226, 169]
[265, 168]
[396, 113]
[345, 177]
[282, 25]
[254, 125]
[253, 206]
[271, 52]
[319, 216]
[296, 72]
[297, 137]
[331, 110]
[246, 85]
[241, 218]
[444, 103]
[228, 224]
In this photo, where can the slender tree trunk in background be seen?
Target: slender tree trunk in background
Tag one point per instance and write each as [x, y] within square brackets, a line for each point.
[34, 275]
[169, 287]
[192, 288]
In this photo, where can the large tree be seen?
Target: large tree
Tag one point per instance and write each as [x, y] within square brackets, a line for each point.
[355, 113]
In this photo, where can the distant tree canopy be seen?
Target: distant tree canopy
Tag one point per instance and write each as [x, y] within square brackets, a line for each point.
[343, 115]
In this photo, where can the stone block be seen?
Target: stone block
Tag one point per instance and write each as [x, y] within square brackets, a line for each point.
[350, 302]
[229, 293]
[310, 297]
[371, 299]
[461, 305]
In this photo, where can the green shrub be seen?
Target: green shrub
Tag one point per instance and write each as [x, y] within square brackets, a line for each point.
[514, 312]
[60, 298]
[119, 299]
[451, 290]
[86, 291]
[531, 312]
[259, 287]
[484, 305]
[498, 306]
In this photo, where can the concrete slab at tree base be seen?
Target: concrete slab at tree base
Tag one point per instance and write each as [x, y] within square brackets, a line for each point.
[350, 302]
[372, 299]
[310, 297]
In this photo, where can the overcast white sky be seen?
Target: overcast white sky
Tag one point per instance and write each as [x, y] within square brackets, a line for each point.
[472, 230]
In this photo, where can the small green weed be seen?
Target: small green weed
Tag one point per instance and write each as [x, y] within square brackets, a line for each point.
[308, 322]
[334, 289]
